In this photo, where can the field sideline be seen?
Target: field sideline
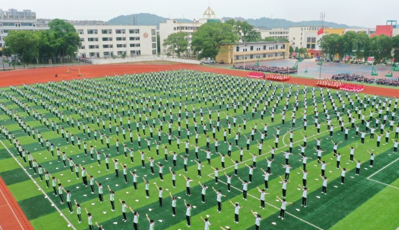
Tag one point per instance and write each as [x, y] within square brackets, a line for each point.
[345, 206]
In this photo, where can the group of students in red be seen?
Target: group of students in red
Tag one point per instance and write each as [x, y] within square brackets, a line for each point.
[277, 77]
[328, 83]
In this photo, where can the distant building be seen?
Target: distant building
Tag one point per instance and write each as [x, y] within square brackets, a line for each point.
[368, 31]
[104, 41]
[172, 26]
[252, 51]
[45, 22]
[276, 33]
[17, 20]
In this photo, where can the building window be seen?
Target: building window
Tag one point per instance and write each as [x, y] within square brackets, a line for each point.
[154, 52]
[92, 31]
[120, 45]
[121, 39]
[251, 56]
[154, 45]
[237, 49]
[251, 48]
[264, 47]
[135, 45]
[106, 31]
[264, 55]
[120, 31]
[92, 39]
[93, 46]
[135, 31]
[153, 32]
[134, 38]
[153, 39]
[107, 46]
[80, 31]
[106, 39]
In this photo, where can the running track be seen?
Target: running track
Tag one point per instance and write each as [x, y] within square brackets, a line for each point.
[31, 76]
[11, 215]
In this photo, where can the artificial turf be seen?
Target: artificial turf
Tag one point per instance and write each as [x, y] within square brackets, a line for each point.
[339, 209]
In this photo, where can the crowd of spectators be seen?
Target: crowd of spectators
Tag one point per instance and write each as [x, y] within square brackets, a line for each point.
[268, 69]
[363, 79]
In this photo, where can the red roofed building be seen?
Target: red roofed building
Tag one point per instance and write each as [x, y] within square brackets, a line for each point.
[384, 29]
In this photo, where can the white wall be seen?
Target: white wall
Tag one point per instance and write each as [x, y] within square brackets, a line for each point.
[141, 59]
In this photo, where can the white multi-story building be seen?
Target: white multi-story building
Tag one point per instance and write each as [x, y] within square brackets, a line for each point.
[17, 20]
[102, 41]
[172, 26]
[276, 33]
[304, 37]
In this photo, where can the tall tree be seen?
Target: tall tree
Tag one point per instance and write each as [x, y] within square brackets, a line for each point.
[66, 39]
[24, 43]
[381, 48]
[209, 37]
[332, 45]
[244, 30]
[176, 43]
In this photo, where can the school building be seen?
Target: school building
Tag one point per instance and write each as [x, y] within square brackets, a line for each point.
[17, 20]
[252, 51]
[107, 41]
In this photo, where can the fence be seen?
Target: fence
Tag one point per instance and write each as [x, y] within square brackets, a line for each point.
[13, 64]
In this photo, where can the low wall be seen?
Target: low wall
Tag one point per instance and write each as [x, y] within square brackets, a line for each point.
[141, 59]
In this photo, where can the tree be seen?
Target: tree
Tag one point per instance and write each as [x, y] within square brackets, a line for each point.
[209, 37]
[158, 45]
[303, 51]
[381, 48]
[269, 39]
[245, 30]
[47, 44]
[66, 39]
[395, 45]
[332, 45]
[176, 43]
[24, 43]
[291, 50]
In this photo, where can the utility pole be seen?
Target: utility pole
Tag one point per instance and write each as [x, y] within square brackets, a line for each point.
[134, 20]
[322, 17]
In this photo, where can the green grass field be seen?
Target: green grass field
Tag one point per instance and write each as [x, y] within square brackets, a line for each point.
[367, 201]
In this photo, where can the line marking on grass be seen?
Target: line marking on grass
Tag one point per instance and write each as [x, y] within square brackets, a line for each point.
[388, 185]
[12, 210]
[40, 189]
[382, 168]
[271, 205]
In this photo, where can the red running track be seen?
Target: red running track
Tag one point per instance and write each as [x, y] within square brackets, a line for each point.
[30, 76]
[11, 215]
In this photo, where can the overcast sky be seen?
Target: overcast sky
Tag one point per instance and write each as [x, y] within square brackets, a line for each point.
[367, 13]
